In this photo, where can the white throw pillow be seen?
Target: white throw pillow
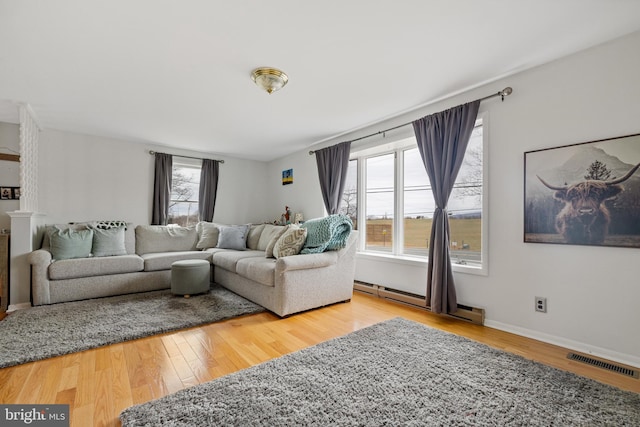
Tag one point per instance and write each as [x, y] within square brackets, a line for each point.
[268, 232]
[291, 242]
[208, 233]
[268, 252]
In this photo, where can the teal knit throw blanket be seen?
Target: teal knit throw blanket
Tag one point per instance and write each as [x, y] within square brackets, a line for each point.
[326, 234]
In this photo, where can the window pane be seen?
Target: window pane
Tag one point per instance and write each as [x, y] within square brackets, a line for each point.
[465, 206]
[380, 202]
[349, 205]
[183, 209]
[418, 205]
[183, 213]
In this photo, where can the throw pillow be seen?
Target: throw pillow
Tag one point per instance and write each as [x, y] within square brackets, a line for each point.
[49, 228]
[291, 242]
[255, 231]
[108, 242]
[268, 233]
[208, 232]
[268, 252]
[106, 225]
[69, 243]
[233, 237]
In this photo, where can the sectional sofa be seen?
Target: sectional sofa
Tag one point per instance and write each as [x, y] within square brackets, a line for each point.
[141, 261]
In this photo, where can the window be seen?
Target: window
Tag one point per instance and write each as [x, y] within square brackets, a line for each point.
[185, 185]
[418, 204]
[380, 195]
[398, 206]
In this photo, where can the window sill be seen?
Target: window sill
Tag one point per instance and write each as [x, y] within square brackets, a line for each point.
[419, 262]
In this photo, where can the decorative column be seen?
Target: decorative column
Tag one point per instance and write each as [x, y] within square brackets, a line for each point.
[23, 221]
[29, 136]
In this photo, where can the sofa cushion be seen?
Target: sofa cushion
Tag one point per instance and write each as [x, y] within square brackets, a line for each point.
[89, 267]
[291, 242]
[108, 242]
[269, 250]
[228, 259]
[255, 231]
[268, 233]
[130, 239]
[261, 270]
[208, 235]
[163, 260]
[165, 238]
[233, 237]
[69, 243]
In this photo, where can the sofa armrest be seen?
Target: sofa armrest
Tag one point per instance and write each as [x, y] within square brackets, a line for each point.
[308, 261]
[41, 257]
[40, 260]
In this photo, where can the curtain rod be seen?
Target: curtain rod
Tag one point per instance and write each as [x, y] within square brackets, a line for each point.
[504, 92]
[186, 157]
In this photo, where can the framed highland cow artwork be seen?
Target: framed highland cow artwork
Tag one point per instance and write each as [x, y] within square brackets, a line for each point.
[584, 194]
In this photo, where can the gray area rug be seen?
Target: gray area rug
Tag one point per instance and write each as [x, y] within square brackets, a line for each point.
[394, 373]
[46, 331]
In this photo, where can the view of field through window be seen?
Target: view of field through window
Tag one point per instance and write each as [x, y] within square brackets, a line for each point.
[417, 203]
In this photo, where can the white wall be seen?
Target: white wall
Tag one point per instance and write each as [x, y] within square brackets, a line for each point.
[86, 177]
[9, 171]
[303, 195]
[592, 292]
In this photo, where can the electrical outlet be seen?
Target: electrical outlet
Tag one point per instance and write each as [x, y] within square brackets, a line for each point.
[541, 304]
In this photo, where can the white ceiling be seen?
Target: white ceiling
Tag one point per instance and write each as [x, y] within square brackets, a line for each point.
[177, 73]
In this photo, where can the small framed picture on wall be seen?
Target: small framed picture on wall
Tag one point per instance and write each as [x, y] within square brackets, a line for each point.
[9, 193]
[287, 177]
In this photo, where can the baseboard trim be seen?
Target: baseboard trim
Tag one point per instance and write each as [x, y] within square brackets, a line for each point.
[614, 356]
[470, 314]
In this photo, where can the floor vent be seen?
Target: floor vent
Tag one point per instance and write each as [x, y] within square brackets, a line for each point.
[604, 365]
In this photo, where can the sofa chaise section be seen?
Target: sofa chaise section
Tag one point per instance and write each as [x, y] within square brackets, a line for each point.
[291, 284]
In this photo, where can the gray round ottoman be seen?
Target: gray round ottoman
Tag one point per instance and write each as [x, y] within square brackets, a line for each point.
[190, 277]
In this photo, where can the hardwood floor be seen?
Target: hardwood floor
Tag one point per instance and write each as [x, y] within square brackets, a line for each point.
[98, 384]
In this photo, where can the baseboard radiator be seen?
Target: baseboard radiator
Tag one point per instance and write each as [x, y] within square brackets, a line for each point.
[470, 314]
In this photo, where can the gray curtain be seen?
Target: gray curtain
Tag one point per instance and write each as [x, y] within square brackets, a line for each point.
[333, 163]
[162, 189]
[208, 189]
[442, 142]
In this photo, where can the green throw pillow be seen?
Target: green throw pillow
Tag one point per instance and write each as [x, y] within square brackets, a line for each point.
[68, 243]
[108, 242]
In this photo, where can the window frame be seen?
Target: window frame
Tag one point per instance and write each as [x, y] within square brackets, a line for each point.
[398, 145]
[186, 162]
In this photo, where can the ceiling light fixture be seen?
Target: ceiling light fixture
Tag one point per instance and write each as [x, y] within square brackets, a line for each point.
[269, 79]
